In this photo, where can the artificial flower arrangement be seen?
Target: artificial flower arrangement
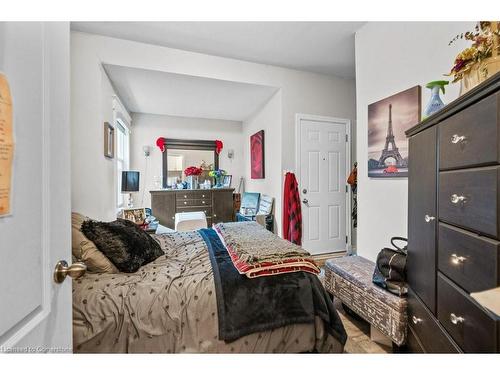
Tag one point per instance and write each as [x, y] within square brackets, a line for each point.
[193, 171]
[217, 173]
[481, 58]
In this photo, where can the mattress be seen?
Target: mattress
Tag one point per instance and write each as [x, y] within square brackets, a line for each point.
[169, 306]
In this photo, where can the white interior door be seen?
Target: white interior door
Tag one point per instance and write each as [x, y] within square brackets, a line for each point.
[35, 312]
[322, 156]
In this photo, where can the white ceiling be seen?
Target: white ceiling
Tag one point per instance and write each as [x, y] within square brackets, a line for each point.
[162, 93]
[321, 47]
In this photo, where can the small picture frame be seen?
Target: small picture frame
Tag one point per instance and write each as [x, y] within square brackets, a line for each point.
[226, 182]
[136, 215]
[109, 141]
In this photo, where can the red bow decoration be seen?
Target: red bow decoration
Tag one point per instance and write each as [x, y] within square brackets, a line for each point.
[218, 146]
[160, 142]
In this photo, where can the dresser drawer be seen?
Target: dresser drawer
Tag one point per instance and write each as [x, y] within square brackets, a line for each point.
[207, 195]
[185, 195]
[474, 329]
[432, 337]
[469, 198]
[193, 202]
[471, 137]
[413, 343]
[471, 261]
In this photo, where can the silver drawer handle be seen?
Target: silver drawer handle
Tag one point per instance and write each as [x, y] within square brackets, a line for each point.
[416, 320]
[457, 138]
[457, 198]
[215, 215]
[185, 196]
[203, 195]
[456, 259]
[202, 202]
[185, 202]
[429, 218]
[456, 319]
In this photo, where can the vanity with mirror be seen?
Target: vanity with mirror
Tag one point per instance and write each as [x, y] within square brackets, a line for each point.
[181, 193]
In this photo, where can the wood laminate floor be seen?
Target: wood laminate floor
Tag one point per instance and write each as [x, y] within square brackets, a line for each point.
[358, 335]
[358, 332]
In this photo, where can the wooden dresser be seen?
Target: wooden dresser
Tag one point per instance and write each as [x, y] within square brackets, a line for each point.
[216, 203]
[454, 224]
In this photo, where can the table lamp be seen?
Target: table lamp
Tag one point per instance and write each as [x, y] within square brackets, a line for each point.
[130, 184]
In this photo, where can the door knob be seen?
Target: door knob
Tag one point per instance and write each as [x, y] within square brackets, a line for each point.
[305, 201]
[457, 259]
[75, 271]
[304, 191]
[429, 218]
[456, 319]
[458, 138]
[416, 320]
[455, 198]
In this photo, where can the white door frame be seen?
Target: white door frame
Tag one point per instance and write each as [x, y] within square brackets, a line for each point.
[348, 196]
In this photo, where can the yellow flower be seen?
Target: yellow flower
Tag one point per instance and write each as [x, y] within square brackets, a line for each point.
[467, 54]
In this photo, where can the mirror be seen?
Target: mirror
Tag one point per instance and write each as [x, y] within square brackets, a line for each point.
[183, 153]
[179, 160]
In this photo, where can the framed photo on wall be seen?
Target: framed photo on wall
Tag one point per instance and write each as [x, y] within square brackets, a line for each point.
[109, 141]
[388, 119]
[257, 162]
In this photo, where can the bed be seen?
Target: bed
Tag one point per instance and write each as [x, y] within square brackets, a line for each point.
[170, 306]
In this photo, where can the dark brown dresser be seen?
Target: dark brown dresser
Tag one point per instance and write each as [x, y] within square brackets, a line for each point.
[216, 203]
[454, 224]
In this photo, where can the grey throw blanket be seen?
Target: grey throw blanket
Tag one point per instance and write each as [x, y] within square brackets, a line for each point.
[247, 306]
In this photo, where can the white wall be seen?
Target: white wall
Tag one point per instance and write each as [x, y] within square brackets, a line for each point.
[93, 177]
[301, 92]
[147, 128]
[391, 57]
[269, 120]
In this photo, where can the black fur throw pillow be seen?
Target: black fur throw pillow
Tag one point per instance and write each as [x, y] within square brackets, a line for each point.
[125, 244]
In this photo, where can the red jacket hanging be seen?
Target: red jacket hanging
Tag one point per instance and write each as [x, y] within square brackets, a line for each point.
[292, 215]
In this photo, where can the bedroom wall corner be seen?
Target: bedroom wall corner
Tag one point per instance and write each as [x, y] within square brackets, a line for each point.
[268, 118]
[391, 57]
[93, 177]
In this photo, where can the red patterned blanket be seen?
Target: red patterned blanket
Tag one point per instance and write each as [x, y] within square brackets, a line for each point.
[257, 252]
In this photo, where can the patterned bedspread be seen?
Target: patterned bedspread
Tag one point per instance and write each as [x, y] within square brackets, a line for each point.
[169, 306]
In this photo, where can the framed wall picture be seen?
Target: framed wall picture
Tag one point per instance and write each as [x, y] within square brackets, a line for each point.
[226, 182]
[388, 119]
[136, 215]
[257, 162]
[109, 141]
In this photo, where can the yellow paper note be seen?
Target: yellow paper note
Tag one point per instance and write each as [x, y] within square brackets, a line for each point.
[6, 146]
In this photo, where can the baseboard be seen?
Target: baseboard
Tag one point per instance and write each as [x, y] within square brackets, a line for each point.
[320, 259]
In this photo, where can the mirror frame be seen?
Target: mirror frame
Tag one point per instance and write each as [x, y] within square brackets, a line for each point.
[186, 144]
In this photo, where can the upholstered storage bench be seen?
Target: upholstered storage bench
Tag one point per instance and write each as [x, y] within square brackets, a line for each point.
[350, 280]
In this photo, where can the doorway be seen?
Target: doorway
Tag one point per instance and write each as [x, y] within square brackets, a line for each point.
[322, 163]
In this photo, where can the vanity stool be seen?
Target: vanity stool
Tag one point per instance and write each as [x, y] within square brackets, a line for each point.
[349, 279]
[188, 221]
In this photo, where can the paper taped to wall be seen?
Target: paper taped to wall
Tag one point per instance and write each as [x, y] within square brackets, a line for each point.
[6, 146]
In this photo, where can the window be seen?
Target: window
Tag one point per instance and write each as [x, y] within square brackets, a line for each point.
[122, 159]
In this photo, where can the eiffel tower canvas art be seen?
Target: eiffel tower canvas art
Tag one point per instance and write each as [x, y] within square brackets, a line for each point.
[388, 119]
